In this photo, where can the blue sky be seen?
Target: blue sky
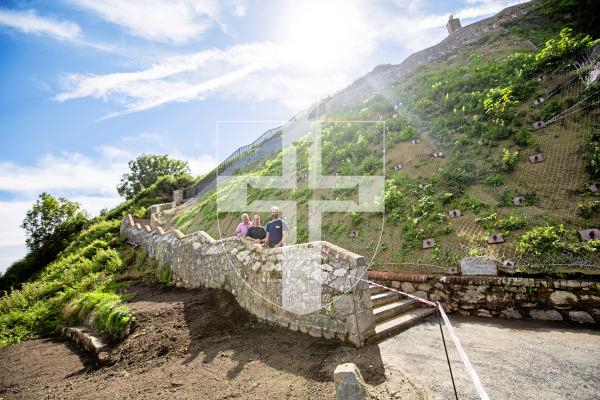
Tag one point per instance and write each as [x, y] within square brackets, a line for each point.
[87, 85]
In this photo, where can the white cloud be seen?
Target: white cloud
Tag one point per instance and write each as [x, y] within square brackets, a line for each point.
[63, 173]
[302, 66]
[29, 22]
[175, 21]
[78, 176]
[485, 8]
[10, 254]
[12, 214]
[174, 79]
[88, 180]
[419, 29]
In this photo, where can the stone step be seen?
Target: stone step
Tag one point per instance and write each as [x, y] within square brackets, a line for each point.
[85, 338]
[384, 298]
[394, 309]
[376, 289]
[401, 323]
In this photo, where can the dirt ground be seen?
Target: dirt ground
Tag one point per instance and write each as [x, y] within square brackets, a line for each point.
[194, 344]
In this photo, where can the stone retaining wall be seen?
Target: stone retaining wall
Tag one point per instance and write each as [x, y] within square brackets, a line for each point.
[505, 297]
[258, 280]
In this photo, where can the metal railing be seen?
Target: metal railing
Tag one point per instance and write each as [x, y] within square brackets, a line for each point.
[241, 152]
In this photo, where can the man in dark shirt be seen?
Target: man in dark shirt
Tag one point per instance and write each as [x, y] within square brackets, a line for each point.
[277, 230]
[256, 233]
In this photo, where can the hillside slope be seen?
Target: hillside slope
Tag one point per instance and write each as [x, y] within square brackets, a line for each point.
[471, 97]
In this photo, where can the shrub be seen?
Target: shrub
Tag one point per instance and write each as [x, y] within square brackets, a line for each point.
[511, 223]
[495, 180]
[592, 159]
[523, 137]
[541, 240]
[560, 52]
[587, 210]
[497, 100]
[459, 174]
[370, 164]
[509, 161]
[356, 218]
[553, 240]
[551, 108]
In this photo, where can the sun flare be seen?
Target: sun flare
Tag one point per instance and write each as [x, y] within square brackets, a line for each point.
[323, 34]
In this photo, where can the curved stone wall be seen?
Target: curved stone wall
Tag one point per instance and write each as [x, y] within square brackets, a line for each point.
[262, 284]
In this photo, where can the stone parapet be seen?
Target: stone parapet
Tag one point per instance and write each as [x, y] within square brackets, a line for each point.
[259, 279]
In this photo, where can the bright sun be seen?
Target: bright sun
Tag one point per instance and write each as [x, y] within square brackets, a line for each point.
[323, 34]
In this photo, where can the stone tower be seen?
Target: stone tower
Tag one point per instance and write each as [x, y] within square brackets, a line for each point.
[453, 25]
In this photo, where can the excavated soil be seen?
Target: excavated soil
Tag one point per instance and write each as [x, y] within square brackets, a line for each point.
[193, 344]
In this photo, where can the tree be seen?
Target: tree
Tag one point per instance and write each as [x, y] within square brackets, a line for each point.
[51, 223]
[146, 169]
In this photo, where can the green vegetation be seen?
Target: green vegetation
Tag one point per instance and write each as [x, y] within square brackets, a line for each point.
[554, 240]
[477, 107]
[510, 223]
[587, 210]
[497, 100]
[79, 283]
[509, 160]
[523, 137]
[79, 270]
[561, 52]
[50, 225]
[145, 171]
[592, 155]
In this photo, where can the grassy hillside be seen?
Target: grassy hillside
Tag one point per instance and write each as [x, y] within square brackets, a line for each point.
[84, 281]
[476, 106]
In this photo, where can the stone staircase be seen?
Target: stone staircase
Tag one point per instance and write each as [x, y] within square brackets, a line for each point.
[393, 313]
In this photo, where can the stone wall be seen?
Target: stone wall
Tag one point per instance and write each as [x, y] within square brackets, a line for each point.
[259, 280]
[505, 297]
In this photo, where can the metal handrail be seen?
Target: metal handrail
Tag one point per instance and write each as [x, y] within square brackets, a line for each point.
[209, 178]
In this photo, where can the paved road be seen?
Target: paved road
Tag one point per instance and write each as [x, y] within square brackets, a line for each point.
[514, 359]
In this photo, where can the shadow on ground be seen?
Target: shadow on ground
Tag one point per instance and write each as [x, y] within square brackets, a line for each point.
[206, 325]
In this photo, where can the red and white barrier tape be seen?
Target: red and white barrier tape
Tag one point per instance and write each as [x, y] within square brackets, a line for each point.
[461, 352]
[430, 303]
[463, 356]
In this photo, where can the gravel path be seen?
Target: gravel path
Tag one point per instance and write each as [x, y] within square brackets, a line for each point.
[514, 359]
